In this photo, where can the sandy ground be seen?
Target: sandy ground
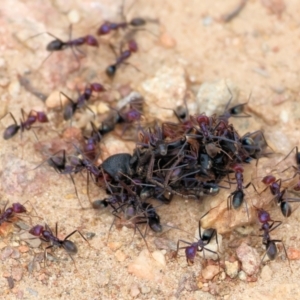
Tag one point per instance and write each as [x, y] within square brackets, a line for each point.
[257, 52]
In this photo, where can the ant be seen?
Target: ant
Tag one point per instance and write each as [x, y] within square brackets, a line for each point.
[9, 212]
[236, 198]
[71, 108]
[136, 23]
[267, 227]
[59, 45]
[199, 246]
[275, 186]
[91, 142]
[107, 26]
[124, 55]
[33, 116]
[46, 235]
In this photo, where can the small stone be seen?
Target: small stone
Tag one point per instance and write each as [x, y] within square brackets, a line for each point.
[4, 81]
[210, 272]
[212, 97]
[15, 254]
[167, 40]
[134, 291]
[222, 276]
[120, 256]
[159, 257]
[17, 273]
[232, 268]
[242, 276]
[293, 254]
[30, 240]
[249, 258]
[2, 245]
[266, 273]
[164, 92]
[145, 267]
[56, 99]
[32, 292]
[3, 109]
[102, 108]
[145, 290]
[14, 88]
[114, 245]
[6, 252]
[73, 16]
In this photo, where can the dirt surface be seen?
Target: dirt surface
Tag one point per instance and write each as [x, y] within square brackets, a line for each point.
[255, 53]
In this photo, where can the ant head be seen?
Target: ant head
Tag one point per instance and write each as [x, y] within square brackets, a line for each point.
[18, 208]
[36, 230]
[104, 28]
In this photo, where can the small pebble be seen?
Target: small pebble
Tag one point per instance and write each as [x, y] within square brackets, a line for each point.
[6, 252]
[14, 88]
[249, 258]
[145, 290]
[167, 40]
[134, 291]
[15, 254]
[74, 16]
[102, 108]
[159, 257]
[210, 272]
[32, 292]
[10, 281]
[266, 273]
[293, 253]
[242, 276]
[120, 256]
[17, 273]
[232, 268]
[56, 99]
[114, 245]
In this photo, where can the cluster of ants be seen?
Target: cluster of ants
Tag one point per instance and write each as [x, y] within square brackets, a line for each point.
[188, 158]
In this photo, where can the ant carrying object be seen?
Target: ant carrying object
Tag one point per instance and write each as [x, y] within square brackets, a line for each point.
[73, 106]
[25, 123]
[199, 246]
[46, 235]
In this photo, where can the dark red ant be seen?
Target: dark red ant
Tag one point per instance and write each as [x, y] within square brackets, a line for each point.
[199, 246]
[136, 23]
[46, 235]
[33, 116]
[267, 227]
[124, 55]
[59, 45]
[236, 198]
[71, 108]
[275, 186]
[107, 26]
[9, 212]
[91, 142]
